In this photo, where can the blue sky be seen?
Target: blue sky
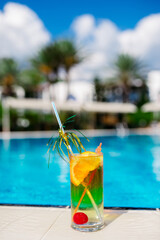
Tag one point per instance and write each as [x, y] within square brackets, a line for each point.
[58, 15]
[103, 30]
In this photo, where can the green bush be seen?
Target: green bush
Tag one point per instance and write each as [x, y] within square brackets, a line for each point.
[0, 116]
[47, 121]
[139, 119]
[35, 121]
[25, 120]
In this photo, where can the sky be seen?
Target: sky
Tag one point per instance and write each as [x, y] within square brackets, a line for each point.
[58, 15]
[103, 28]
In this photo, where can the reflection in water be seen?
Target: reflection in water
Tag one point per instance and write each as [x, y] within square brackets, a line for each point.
[156, 162]
[64, 168]
[122, 130]
[6, 143]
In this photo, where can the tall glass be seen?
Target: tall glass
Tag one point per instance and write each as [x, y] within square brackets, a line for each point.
[86, 171]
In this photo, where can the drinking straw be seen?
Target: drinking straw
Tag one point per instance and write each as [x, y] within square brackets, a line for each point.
[70, 149]
[57, 116]
[60, 123]
[84, 192]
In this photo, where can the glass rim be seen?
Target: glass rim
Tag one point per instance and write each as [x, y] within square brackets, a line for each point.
[80, 154]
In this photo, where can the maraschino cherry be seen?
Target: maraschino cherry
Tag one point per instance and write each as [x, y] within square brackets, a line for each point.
[80, 218]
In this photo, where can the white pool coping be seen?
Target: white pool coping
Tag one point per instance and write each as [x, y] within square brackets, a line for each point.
[49, 223]
[88, 133]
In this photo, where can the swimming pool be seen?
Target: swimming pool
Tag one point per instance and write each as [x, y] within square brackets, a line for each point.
[131, 172]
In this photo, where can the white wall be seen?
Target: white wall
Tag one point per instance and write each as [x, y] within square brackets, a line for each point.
[154, 85]
[80, 90]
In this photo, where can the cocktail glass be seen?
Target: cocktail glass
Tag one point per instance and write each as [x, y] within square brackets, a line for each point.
[86, 171]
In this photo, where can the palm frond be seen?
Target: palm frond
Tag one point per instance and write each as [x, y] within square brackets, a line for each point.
[79, 141]
[65, 141]
[61, 152]
[49, 140]
[82, 134]
[70, 136]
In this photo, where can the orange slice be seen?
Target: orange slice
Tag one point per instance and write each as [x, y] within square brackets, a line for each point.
[88, 153]
[81, 165]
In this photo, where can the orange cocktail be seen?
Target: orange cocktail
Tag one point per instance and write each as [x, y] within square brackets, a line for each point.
[86, 171]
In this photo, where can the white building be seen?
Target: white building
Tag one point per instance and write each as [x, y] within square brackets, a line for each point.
[80, 91]
[154, 85]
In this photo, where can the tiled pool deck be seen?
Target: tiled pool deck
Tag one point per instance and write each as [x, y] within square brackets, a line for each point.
[48, 223]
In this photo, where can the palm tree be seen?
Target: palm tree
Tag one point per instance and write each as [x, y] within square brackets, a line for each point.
[128, 69]
[69, 57]
[8, 75]
[99, 90]
[48, 62]
[31, 79]
[57, 55]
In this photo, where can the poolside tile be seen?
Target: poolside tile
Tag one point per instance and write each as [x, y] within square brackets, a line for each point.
[62, 230]
[8, 216]
[33, 223]
[135, 225]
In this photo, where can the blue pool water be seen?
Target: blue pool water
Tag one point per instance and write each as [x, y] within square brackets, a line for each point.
[131, 172]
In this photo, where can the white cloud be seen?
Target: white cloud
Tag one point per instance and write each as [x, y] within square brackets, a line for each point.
[100, 43]
[83, 26]
[144, 41]
[22, 33]
[104, 41]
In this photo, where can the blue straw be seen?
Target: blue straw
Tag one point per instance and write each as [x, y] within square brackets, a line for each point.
[60, 123]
